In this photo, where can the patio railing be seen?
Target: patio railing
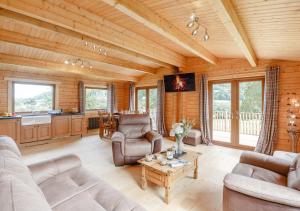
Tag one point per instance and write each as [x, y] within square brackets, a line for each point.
[250, 123]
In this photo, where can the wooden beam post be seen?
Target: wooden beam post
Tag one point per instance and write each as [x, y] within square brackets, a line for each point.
[136, 10]
[229, 17]
[49, 65]
[72, 17]
[35, 42]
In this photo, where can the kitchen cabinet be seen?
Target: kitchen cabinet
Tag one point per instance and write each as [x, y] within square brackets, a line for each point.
[44, 132]
[61, 126]
[77, 125]
[11, 127]
[31, 133]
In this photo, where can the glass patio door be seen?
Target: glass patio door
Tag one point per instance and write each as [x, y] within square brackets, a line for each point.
[236, 111]
[147, 102]
[250, 111]
[221, 112]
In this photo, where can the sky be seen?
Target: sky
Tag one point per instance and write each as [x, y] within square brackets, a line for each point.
[28, 90]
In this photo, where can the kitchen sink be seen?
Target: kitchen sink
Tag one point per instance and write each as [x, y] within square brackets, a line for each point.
[35, 120]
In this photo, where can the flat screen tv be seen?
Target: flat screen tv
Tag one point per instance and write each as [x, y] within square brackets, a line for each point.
[180, 82]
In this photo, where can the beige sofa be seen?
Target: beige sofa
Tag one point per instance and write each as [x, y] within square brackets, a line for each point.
[57, 184]
[263, 183]
[134, 139]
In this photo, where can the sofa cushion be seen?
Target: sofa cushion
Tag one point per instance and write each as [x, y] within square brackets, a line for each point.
[7, 143]
[99, 197]
[67, 184]
[259, 173]
[18, 196]
[137, 147]
[294, 174]
[11, 163]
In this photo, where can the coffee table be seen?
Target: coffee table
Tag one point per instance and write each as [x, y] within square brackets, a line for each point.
[166, 176]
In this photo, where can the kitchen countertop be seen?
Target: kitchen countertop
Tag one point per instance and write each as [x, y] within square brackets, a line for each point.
[66, 114]
[10, 117]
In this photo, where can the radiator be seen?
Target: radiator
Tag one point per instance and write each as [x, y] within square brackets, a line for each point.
[93, 123]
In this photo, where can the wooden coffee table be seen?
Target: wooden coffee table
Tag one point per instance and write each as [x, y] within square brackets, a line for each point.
[166, 176]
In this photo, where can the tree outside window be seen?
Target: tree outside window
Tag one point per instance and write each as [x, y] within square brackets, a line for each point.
[95, 98]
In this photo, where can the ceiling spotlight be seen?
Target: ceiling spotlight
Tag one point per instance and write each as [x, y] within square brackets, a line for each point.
[190, 24]
[195, 25]
[206, 36]
[194, 32]
[78, 62]
[193, 16]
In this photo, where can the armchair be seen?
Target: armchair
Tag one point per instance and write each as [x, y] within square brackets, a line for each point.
[134, 139]
[263, 182]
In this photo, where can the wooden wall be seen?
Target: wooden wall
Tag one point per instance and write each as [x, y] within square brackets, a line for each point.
[68, 89]
[187, 104]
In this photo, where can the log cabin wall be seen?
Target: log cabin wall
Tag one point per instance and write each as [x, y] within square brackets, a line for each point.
[187, 104]
[68, 89]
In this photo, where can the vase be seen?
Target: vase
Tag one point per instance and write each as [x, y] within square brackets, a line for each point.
[179, 146]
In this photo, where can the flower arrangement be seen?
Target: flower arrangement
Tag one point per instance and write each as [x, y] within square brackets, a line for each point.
[181, 130]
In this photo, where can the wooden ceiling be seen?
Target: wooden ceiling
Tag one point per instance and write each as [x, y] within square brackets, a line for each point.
[143, 36]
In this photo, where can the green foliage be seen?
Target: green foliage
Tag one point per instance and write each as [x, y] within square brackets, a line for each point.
[41, 102]
[251, 97]
[95, 99]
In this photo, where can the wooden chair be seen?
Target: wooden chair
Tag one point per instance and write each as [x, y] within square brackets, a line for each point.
[107, 125]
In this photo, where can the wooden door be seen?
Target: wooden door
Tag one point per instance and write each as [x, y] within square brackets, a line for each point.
[29, 133]
[61, 126]
[44, 132]
[11, 128]
[77, 125]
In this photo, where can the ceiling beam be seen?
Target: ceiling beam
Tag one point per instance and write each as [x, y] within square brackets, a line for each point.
[230, 19]
[72, 17]
[136, 10]
[49, 65]
[57, 29]
[34, 42]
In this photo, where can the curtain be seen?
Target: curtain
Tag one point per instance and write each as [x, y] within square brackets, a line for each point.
[111, 105]
[160, 119]
[131, 96]
[268, 132]
[81, 97]
[204, 114]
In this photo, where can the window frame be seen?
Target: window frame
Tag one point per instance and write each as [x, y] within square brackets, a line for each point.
[234, 142]
[99, 88]
[32, 83]
[147, 88]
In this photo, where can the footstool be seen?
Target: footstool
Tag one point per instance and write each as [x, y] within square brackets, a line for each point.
[193, 138]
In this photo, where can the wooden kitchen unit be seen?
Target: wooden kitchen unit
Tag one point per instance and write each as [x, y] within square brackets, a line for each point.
[61, 126]
[31, 133]
[11, 127]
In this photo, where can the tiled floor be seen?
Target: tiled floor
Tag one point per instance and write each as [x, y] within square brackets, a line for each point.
[203, 194]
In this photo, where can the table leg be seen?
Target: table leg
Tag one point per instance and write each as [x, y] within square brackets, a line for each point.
[196, 169]
[144, 180]
[167, 194]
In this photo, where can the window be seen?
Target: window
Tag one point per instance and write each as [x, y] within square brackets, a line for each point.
[147, 102]
[95, 98]
[33, 97]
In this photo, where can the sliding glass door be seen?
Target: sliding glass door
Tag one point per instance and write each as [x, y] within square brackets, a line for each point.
[236, 111]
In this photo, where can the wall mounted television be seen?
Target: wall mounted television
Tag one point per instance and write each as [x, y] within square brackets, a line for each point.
[184, 82]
